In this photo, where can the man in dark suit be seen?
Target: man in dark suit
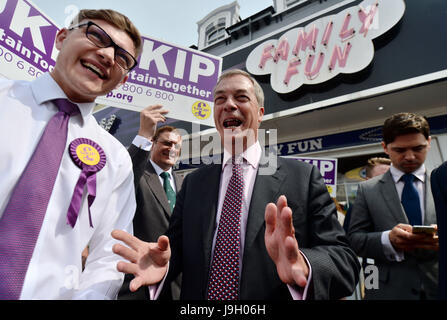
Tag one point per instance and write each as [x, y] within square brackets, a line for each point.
[153, 152]
[386, 208]
[439, 190]
[288, 243]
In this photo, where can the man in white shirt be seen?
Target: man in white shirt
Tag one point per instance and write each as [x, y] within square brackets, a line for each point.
[382, 221]
[95, 55]
[254, 233]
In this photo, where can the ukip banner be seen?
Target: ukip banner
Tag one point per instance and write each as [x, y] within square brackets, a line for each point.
[26, 41]
[180, 79]
[328, 170]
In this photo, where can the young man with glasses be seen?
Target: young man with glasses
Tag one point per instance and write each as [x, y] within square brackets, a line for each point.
[65, 182]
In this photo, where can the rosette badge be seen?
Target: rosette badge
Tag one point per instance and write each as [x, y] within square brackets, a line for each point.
[90, 158]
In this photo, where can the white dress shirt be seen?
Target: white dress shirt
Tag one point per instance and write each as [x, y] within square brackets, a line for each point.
[419, 184]
[159, 171]
[55, 269]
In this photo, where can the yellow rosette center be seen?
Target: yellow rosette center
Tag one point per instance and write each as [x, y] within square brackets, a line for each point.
[88, 154]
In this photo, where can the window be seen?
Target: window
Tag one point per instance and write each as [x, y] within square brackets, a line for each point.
[290, 3]
[215, 31]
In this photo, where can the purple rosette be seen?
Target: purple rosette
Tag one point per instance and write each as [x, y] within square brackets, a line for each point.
[90, 158]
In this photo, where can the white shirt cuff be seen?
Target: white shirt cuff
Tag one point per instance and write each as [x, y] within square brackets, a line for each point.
[297, 292]
[142, 143]
[388, 248]
[154, 290]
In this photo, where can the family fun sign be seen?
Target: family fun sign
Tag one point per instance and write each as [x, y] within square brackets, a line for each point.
[316, 53]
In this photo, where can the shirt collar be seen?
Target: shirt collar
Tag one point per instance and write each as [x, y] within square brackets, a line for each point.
[159, 170]
[45, 89]
[252, 155]
[418, 173]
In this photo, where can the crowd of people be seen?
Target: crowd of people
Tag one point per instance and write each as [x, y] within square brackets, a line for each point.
[69, 191]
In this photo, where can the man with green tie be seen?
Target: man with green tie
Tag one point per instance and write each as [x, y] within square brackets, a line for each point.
[154, 152]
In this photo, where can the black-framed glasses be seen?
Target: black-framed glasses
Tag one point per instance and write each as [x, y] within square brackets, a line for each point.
[101, 39]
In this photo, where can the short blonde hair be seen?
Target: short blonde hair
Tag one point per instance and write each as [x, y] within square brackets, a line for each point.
[162, 129]
[372, 162]
[116, 19]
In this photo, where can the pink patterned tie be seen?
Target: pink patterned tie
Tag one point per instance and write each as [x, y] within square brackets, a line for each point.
[23, 215]
[224, 274]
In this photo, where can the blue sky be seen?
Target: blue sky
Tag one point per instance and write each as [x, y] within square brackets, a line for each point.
[173, 21]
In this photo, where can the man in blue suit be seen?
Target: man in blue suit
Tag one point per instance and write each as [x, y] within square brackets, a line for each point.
[439, 190]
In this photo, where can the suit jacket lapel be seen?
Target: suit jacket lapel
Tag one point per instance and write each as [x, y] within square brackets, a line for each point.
[154, 184]
[389, 193]
[430, 212]
[265, 190]
[177, 181]
[209, 192]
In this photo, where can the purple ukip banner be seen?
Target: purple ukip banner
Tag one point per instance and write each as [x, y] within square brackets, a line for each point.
[180, 79]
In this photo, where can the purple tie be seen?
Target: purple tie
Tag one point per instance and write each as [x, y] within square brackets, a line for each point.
[224, 274]
[23, 215]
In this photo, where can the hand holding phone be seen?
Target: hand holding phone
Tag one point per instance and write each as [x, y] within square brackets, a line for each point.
[424, 229]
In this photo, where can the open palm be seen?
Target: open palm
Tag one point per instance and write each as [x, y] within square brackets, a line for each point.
[281, 244]
[148, 261]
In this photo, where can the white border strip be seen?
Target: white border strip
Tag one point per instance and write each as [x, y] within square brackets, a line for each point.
[368, 93]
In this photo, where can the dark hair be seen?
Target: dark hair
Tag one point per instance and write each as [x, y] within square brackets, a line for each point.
[372, 162]
[404, 123]
[116, 19]
[162, 129]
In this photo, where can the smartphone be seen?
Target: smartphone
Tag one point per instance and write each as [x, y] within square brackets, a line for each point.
[424, 229]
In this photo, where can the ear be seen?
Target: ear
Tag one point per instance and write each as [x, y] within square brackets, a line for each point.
[384, 147]
[429, 142]
[60, 38]
[260, 114]
[123, 81]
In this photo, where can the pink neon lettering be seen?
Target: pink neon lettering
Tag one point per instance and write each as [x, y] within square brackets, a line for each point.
[291, 69]
[345, 34]
[313, 73]
[282, 52]
[337, 55]
[305, 40]
[266, 55]
[367, 18]
[327, 33]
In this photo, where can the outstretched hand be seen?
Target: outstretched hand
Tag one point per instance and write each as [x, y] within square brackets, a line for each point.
[148, 260]
[282, 246]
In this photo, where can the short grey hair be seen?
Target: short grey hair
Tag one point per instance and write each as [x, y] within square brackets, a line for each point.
[259, 93]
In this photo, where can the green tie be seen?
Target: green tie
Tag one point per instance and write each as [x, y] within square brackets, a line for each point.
[170, 193]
